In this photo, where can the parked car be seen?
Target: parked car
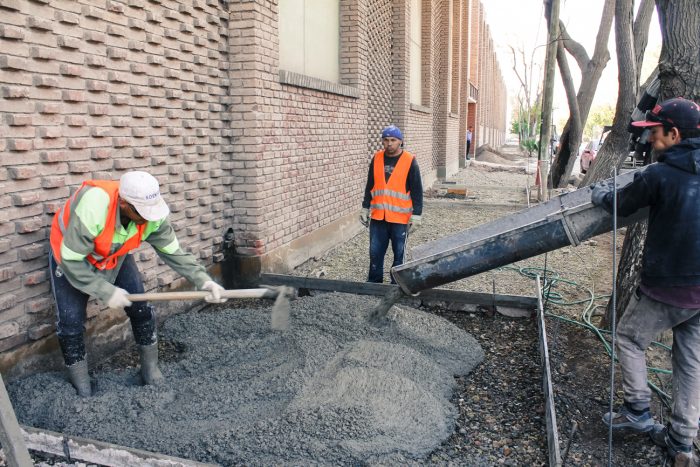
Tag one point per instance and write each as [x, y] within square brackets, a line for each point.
[591, 150]
[588, 155]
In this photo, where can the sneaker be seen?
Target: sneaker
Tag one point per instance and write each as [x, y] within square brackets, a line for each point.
[624, 418]
[682, 454]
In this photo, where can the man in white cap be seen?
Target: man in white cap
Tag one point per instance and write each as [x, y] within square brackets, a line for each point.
[91, 237]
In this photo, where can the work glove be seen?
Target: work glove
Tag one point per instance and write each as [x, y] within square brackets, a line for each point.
[119, 299]
[600, 190]
[364, 217]
[215, 295]
[414, 223]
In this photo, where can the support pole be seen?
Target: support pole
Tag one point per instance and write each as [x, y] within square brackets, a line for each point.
[10, 435]
[547, 98]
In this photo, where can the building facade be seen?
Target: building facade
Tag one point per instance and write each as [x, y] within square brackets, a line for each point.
[258, 117]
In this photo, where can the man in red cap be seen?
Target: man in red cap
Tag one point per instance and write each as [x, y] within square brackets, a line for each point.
[669, 294]
[91, 237]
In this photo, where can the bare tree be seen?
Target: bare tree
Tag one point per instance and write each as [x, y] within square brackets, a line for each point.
[591, 70]
[679, 71]
[526, 101]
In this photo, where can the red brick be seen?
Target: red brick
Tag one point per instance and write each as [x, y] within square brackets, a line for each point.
[20, 144]
[120, 142]
[79, 167]
[7, 273]
[33, 251]
[12, 63]
[77, 143]
[48, 107]
[98, 109]
[75, 120]
[39, 305]
[68, 42]
[14, 92]
[73, 96]
[22, 173]
[51, 157]
[29, 225]
[50, 182]
[19, 119]
[41, 24]
[52, 207]
[25, 198]
[34, 278]
[44, 81]
[37, 332]
[95, 61]
[8, 329]
[49, 132]
[42, 53]
[101, 153]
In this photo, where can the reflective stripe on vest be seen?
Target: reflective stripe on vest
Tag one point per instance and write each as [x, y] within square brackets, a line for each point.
[101, 257]
[390, 200]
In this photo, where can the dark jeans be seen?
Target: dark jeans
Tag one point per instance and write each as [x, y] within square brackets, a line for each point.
[71, 306]
[469, 143]
[380, 232]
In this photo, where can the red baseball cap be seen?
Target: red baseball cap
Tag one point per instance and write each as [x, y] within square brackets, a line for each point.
[677, 112]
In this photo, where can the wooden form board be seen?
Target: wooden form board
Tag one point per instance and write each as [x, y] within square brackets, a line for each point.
[426, 296]
[11, 436]
[549, 409]
[98, 452]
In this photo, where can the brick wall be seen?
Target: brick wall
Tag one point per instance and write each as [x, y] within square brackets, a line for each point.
[89, 90]
[191, 91]
[380, 90]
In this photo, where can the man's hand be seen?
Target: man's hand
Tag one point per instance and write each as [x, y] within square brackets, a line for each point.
[119, 299]
[215, 295]
[364, 217]
[600, 190]
[414, 223]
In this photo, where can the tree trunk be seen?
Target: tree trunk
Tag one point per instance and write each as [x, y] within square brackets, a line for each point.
[591, 70]
[679, 70]
[679, 63]
[640, 33]
[616, 147]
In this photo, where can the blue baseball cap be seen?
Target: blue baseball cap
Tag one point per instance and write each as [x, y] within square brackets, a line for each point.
[392, 131]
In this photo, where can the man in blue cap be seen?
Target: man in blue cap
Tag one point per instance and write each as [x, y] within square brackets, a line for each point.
[669, 294]
[393, 201]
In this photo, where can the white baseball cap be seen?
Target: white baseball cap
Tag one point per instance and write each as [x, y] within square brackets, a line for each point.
[141, 190]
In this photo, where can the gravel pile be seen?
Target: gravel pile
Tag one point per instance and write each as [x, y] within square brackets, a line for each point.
[333, 389]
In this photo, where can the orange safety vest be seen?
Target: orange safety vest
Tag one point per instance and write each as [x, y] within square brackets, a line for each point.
[390, 200]
[100, 257]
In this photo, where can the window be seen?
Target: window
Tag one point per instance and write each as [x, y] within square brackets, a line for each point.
[416, 38]
[309, 38]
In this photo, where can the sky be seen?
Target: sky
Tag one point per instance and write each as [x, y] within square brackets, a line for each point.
[523, 27]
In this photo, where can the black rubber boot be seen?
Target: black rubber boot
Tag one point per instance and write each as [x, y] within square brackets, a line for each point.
[79, 377]
[150, 373]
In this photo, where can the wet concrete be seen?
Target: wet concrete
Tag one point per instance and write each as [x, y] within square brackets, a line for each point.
[332, 389]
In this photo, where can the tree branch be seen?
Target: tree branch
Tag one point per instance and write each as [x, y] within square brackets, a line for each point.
[574, 48]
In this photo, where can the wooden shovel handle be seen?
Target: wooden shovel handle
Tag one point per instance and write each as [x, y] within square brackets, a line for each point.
[200, 294]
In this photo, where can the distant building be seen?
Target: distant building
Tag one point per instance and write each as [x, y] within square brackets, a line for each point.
[258, 118]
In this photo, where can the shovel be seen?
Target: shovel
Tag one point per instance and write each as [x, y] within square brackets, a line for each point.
[280, 310]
